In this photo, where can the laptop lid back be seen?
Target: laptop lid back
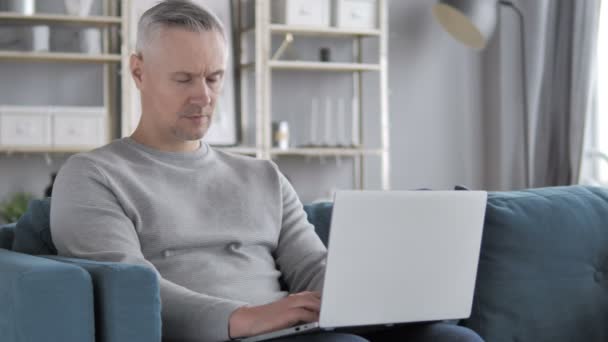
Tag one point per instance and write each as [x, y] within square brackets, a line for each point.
[401, 256]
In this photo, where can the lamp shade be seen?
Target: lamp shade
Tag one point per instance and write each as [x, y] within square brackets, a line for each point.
[471, 22]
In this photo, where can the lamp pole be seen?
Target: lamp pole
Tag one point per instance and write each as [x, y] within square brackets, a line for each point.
[472, 22]
[524, 82]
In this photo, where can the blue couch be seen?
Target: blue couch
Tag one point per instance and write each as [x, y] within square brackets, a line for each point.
[543, 276]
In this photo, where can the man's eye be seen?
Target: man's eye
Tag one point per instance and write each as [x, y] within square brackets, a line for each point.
[213, 80]
[187, 80]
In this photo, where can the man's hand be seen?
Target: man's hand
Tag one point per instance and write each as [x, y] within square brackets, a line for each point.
[286, 312]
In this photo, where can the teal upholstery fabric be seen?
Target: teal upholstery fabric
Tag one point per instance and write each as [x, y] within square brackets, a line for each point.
[127, 300]
[32, 232]
[127, 297]
[44, 300]
[7, 234]
[319, 214]
[543, 272]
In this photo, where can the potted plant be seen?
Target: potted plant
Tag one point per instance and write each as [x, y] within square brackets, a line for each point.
[12, 209]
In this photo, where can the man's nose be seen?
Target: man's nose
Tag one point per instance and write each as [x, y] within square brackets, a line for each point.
[202, 95]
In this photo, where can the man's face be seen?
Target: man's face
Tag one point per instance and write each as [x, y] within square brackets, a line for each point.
[180, 75]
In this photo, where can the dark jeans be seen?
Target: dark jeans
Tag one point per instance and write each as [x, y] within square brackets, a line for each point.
[430, 332]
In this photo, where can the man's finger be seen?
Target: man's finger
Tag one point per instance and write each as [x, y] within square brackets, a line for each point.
[303, 315]
[307, 302]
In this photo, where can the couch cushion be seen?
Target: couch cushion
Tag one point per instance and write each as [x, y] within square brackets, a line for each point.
[543, 266]
[7, 234]
[32, 232]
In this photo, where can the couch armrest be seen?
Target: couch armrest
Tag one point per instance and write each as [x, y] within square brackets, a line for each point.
[44, 300]
[127, 300]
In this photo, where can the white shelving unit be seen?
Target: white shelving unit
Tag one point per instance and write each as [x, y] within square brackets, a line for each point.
[262, 67]
[109, 60]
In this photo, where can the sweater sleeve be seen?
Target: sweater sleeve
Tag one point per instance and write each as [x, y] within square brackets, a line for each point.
[87, 221]
[300, 254]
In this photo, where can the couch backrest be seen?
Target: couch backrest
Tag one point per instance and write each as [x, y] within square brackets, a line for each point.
[7, 234]
[543, 269]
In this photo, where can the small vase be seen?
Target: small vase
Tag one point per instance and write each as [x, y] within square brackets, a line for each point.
[90, 41]
[40, 38]
[78, 7]
[27, 7]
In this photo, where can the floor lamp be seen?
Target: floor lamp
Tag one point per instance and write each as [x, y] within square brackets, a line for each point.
[472, 22]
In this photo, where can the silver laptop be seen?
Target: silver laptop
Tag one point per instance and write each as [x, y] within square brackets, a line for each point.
[398, 257]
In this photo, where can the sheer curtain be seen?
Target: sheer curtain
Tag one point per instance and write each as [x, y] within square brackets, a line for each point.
[595, 161]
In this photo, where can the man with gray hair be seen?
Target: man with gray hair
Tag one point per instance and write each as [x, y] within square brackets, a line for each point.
[220, 230]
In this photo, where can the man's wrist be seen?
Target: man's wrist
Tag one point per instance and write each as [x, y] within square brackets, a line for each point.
[238, 323]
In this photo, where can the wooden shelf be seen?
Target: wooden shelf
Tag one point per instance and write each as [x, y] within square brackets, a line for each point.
[323, 31]
[39, 18]
[316, 66]
[58, 57]
[325, 151]
[322, 66]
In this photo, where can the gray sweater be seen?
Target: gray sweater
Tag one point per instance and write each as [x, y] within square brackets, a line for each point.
[219, 229]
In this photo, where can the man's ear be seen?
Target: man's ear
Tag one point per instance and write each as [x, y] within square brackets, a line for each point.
[136, 65]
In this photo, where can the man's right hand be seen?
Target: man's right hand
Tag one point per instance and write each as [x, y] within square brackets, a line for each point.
[254, 320]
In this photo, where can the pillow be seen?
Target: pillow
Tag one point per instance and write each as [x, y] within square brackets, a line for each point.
[319, 215]
[32, 232]
[7, 234]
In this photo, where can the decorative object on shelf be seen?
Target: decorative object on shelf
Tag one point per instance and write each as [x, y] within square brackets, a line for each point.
[79, 8]
[332, 126]
[325, 54]
[83, 127]
[355, 123]
[284, 45]
[40, 38]
[90, 41]
[341, 124]
[280, 134]
[302, 12]
[360, 14]
[12, 209]
[328, 126]
[25, 126]
[223, 130]
[27, 7]
[314, 122]
[51, 126]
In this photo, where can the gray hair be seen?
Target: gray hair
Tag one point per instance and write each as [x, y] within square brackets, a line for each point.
[176, 13]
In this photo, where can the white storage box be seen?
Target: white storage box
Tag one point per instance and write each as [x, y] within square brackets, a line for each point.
[79, 126]
[302, 12]
[25, 126]
[361, 14]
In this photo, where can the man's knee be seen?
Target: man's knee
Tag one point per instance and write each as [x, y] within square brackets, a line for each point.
[432, 332]
[449, 332]
[324, 337]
